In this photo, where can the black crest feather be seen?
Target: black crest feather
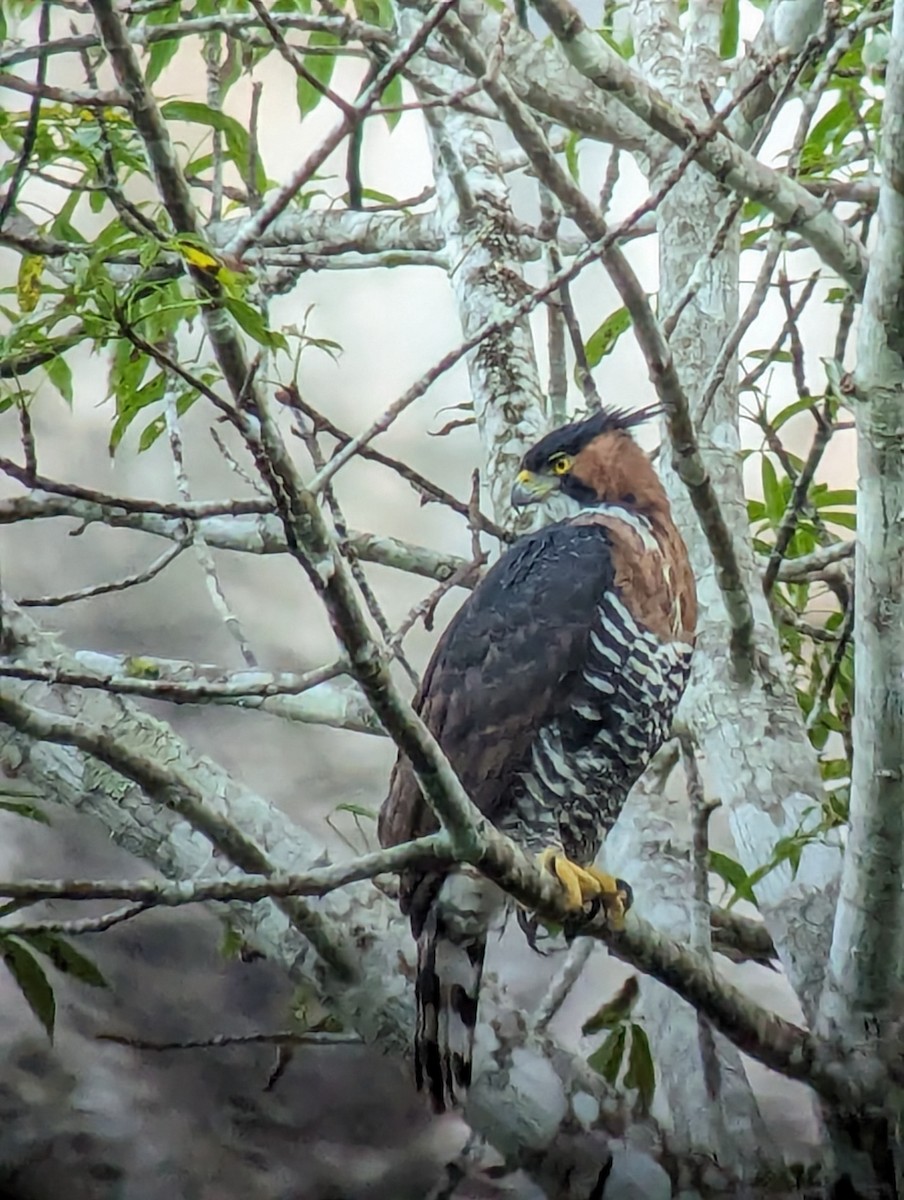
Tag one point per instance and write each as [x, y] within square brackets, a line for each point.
[571, 439]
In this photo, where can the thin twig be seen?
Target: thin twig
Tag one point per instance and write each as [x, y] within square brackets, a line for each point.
[215, 103]
[154, 893]
[425, 487]
[199, 545]
[178, 691]
[563, 981]
[27, 434]
[296, 61]
[116, 585]
[252, 229]
[60, 95]
[825, 692]
[798, 499]
[34, 115]
[309, 437]
[192, 511]
[763, 365]
[284, 1037]
[751, 311]
[80, 925]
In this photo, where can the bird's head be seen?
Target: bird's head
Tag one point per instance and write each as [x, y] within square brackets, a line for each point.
[591, 462]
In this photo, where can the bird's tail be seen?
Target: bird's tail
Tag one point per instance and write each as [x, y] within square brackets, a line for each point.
[451, 949]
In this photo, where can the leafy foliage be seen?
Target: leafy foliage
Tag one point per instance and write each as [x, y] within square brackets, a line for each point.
[627, 1048]
[20, 953]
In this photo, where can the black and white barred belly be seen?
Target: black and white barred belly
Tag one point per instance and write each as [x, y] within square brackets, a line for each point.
[584, 764]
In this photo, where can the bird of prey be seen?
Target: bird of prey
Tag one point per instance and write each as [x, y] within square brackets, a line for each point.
[549, 692]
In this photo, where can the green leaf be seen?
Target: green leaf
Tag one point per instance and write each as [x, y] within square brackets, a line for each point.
[66, 959]
[376, 196]
[62, 226]
[130, 403]
[238, 140]
[161, 54]
[60, 376]
[750, 237]
[733, 874]
[253, 324]
[357, 810]
[641, 1073]
[29, 975]
[602, 341]
[392, 96]
[607, 1059]
[823, 496]
[804, 404]
[155, 428]
[774, 356]
[833, 125]
[614, 1010]
[572, 161]
[232, 943]
[772, 492]
[321, 67]
[847, 520]
[728, 37]
[21, 809]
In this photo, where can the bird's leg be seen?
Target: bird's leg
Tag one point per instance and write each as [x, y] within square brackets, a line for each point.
[581, 884]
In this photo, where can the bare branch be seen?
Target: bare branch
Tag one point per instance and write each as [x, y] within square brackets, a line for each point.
[791, 203]
[103, 589]
[688, 461]
[153, 893]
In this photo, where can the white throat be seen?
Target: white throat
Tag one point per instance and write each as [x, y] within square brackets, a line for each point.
[561, 507]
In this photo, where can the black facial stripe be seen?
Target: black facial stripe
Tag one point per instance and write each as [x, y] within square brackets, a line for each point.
[572, 486]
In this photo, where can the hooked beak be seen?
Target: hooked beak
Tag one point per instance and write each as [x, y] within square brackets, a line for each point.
[532, 489]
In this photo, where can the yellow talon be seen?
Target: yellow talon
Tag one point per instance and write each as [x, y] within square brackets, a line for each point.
[581, 884]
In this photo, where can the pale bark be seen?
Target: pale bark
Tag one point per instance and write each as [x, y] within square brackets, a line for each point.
[244, 534]
[758, 759]
[867, 941]
[703, 1078]
[475, 216]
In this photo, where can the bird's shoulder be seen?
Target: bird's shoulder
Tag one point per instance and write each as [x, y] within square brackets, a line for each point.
[651, 573]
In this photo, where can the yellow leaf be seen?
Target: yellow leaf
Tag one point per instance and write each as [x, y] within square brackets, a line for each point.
[197, 257]
[28, 286]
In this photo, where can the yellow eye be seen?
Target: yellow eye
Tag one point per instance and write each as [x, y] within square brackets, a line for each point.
[561, 465]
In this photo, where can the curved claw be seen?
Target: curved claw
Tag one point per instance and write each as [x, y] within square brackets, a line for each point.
[581, 884]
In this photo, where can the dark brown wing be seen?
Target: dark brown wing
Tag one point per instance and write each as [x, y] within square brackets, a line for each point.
[504, 667]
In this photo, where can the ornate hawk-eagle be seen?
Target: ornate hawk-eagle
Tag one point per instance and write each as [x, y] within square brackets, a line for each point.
[549, 692]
